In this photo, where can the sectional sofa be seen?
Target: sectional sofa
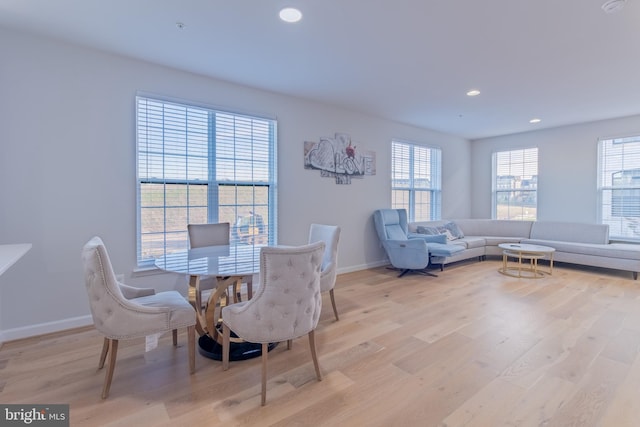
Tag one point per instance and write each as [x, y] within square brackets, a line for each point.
[576, 243]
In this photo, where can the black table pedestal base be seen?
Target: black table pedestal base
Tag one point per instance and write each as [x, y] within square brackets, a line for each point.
[208, 347]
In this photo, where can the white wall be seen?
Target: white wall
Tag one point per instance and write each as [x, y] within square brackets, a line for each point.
[67, 171]
[567, 167]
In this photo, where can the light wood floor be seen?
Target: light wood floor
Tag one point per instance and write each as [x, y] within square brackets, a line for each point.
[469, 348]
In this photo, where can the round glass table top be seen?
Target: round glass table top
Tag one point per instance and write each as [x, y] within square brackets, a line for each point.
[224, 260]
[526, 248]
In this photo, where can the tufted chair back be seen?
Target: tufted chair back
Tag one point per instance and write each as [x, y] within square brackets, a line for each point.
[104, 293]
[288, 302]
[106, 300]
[123, 312]
[329, 234]
[286, 306]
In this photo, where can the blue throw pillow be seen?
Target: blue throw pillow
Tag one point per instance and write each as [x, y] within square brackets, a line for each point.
[431, 231]
[456, 232]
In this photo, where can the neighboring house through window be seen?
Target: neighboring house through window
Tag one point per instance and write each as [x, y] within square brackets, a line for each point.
[199, 165]
[619, 186]
[416, 180]
[515, 184]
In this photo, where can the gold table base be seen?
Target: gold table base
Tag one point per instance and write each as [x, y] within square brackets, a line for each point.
[209, 315]
[524, 270]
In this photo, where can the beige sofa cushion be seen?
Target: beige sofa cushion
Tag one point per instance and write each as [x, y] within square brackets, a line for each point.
[614, 250]
[470, 242]
[570, 232]
[492, 227]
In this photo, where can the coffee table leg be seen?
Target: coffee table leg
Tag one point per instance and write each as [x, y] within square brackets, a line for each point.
[520, 265]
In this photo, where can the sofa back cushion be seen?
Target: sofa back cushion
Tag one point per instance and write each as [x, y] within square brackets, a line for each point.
[449, 229]
[494, 227]
[425, 225]
[570, 232]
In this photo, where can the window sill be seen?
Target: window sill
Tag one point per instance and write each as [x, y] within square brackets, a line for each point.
[146, 271]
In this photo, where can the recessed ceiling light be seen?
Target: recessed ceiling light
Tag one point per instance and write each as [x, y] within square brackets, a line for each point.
[535, 121]
[473, 92]
[290, 14]
[180, 25]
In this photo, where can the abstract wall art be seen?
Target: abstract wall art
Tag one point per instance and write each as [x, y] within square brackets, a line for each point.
[339, 158]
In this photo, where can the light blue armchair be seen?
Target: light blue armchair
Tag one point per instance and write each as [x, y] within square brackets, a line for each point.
[404, 254]
[410, 251]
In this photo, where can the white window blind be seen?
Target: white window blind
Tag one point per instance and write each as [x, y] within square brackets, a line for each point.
[416, 180]
[619, 186]
[198, 165]
[515, 184]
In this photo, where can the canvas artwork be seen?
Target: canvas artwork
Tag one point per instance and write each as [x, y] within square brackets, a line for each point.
[339, 158]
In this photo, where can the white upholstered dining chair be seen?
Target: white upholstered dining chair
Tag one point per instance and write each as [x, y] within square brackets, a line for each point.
[123, 312]
[330, 235]
[208, 234]
[215, 234]
[286, 305]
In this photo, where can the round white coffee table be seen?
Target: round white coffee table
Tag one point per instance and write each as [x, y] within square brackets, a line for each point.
[531, 253]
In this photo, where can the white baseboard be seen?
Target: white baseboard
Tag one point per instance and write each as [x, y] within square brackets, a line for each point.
[44, 328]
[77, 322]
[353, 268]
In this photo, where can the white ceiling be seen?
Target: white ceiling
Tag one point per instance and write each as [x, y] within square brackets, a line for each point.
[564, 61]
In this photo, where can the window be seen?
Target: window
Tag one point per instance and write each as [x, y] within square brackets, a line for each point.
[515, 184]
[619, 186]
[416, 180]
[198, 165]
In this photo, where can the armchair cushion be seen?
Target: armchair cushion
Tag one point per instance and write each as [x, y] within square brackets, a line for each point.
[429, 238]
[391, 224]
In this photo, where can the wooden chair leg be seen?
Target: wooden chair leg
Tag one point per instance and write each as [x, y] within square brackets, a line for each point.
[333, 303]
[113, 351]
[191, 342]
[312, 344]
[249, 280]
[175, 337]
[226, 338]
[237, 292]
[265, 353]
[103, 354]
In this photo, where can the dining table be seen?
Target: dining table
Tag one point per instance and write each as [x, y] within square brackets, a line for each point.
[229, 264]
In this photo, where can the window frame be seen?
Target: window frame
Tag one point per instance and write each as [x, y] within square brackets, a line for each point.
[233, 139]
[512, 191]
[616, 156]
[433, 174]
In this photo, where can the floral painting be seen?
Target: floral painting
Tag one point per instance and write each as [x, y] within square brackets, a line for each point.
[339, 158]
